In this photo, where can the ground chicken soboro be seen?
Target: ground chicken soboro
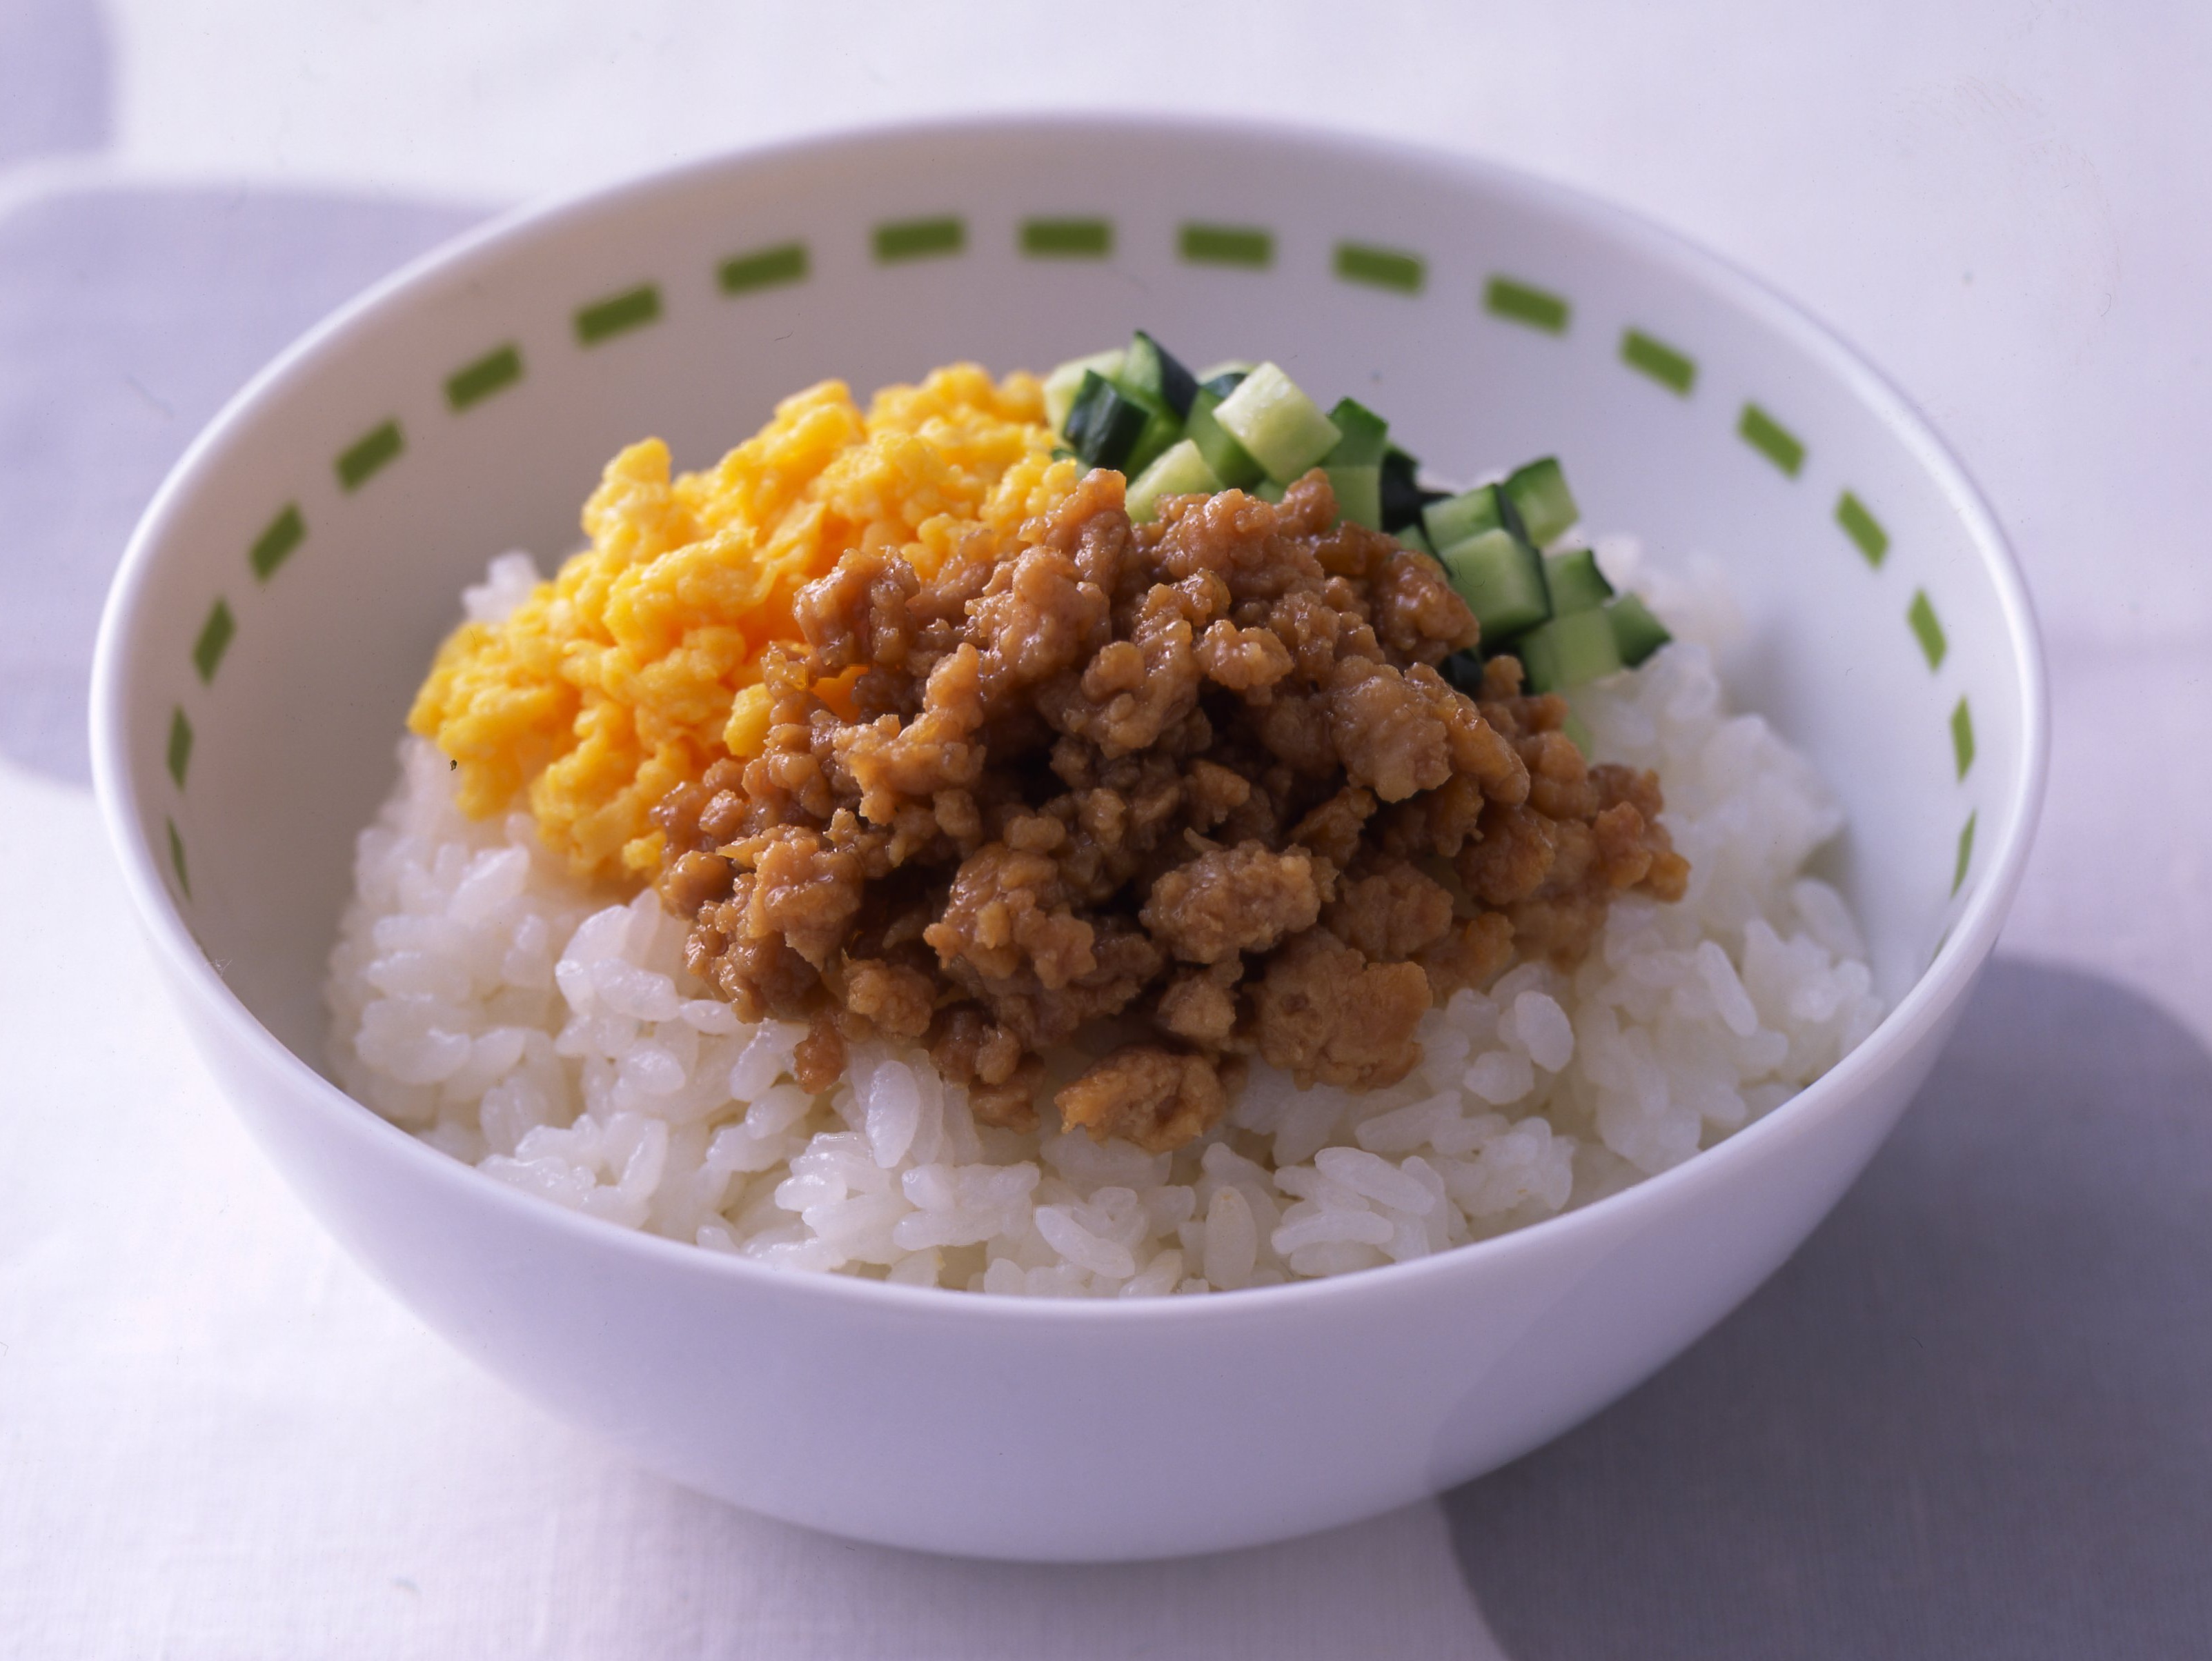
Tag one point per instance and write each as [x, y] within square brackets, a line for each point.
[1194, 785]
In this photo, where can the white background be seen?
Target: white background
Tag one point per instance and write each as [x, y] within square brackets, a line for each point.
[216, 1438]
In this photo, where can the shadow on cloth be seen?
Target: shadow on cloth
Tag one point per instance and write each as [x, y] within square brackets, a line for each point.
[1972, 1417]
[57, 78]
[127, 317]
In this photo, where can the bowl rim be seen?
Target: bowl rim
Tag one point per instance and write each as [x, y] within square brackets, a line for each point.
[1926, 1004]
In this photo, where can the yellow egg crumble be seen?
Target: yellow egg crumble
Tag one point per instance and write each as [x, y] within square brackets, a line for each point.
[639, 665]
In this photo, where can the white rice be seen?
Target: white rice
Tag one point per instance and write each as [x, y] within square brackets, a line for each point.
[546, 1033]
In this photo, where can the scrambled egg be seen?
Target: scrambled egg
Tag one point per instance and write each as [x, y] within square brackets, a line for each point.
[638, 666]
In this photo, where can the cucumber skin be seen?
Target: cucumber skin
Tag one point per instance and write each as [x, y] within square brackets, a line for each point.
[1458, 518]
[1540, 663]
[1539, 498]
[1569, 652]
[1502, 581]
[1161, 432]
[1066, 381]
[1403, 497]
[1104, 424]
[1149, 366]
[1365, 441]
[1636, 632]
[1463, 669]
[1355, 464]
[1232, 463]
[1574, 582]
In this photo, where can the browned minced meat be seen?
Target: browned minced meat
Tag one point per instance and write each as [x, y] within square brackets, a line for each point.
[1196, 785]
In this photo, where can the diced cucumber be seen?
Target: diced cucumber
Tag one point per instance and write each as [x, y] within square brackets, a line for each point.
[1213, 372]
[1455, 518]
[1355, 462]
[1415, 538]
[1163, 428]
[1225, 380]
[1569, 651]
[1231, 462]
[1539, 497]
[1284, 429]
[1105, 423]
[1365, 435]
[1359, 494]
[1179, 471]
[1403, 496]
[1587, 651]
[1636, 632]
[1579, 733]
[1148, 367]
[1540, 662]
[1542, 670]
[1062, 385]
[1267, 490]
[1502, 580]
[1575, 583]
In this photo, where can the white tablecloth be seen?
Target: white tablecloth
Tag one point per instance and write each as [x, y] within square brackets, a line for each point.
[1969, 1419]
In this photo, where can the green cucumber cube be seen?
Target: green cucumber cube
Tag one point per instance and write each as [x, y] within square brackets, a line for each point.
[1148, 367]
[1538, 495]
[1456, 518]
[1359, 490]
[1231, 462]
[1575, 583]
[1284, 429]
[1569, 650]
[1105, 423]
[1355, 464]
[1502, 581]
[1366, 436]
[1179, 471]
[1636, 632]
[1162, 430]
[1540, 663]
[1062, 385]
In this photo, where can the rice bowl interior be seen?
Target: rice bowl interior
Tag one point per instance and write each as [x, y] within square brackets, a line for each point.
[543, 1025]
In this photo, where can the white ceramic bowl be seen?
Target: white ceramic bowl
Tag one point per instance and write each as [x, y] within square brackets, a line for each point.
[284, 594]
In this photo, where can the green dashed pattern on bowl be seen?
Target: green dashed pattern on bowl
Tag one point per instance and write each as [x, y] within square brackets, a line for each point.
[1067, 239]
[617, 314]
[1526, 303]
[1510, 299]
[765, 268]
[495, 372]
[1649, 356]
[1249, 247]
